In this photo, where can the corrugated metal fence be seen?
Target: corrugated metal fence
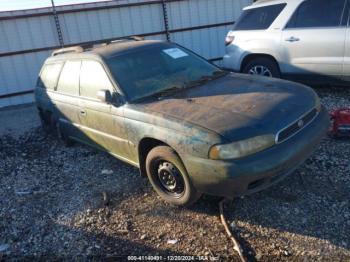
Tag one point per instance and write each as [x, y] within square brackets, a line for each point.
[27, 37]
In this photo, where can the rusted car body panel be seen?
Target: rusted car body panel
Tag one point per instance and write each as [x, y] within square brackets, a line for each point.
[256, 172]
[222, 111]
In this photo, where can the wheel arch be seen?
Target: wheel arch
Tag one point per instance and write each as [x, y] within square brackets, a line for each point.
[145, 145]
[45, 114]
[250, 57]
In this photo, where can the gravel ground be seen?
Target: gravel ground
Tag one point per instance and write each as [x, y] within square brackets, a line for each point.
[18, 120]
[59, 203]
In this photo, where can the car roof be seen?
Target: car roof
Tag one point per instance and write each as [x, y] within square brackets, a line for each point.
[104, 50]
[125, 46]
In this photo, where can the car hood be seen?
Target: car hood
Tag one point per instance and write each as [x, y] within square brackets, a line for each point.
[238, 106]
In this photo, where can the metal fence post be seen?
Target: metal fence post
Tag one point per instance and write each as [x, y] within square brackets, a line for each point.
[57, 23]
[166, 21]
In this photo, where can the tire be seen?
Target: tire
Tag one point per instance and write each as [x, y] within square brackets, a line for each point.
[60, 134]
[163, 161]
[45, 122]
[258, 66]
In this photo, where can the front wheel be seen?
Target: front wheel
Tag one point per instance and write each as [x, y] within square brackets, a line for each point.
[169, 177]
[262, 66]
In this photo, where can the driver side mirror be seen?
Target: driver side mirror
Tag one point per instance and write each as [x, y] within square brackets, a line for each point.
[105, 96]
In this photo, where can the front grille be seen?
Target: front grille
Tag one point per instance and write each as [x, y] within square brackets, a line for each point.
[295, 127]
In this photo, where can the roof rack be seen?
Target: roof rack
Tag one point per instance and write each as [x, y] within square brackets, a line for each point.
[261, 2]
[129, 38]
[73, 49]
[84, 47]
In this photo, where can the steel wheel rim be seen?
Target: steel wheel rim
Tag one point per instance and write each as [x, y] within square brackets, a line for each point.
[170, 179]
[260, 70]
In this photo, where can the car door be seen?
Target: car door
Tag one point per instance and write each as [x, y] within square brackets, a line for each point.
[66, 99]
[102, 122]
[346, 65]
[313, 40]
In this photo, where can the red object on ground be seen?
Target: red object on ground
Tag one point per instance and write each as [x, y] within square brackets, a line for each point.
[341, 122]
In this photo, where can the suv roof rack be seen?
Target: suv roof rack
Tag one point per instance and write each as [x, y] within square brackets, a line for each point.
[82, 48]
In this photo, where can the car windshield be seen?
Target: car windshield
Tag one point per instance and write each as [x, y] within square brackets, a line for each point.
[159, 68]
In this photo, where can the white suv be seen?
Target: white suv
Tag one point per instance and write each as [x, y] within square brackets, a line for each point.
[293, 39]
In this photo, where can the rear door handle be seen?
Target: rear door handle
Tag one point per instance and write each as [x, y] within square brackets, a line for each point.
[83, 112]
[292, 39]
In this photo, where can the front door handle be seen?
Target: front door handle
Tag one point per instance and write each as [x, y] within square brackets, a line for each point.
[83, 112]
[292, 39]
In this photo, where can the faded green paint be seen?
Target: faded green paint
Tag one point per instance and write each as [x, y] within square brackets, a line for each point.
[228, 109]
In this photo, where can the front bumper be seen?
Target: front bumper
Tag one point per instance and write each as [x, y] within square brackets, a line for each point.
[253, 173]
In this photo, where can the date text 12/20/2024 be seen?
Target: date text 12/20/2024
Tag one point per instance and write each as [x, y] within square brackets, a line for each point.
[172, 258]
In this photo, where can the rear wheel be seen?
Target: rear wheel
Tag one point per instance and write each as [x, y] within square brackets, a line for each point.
[45, 121]
[169, 177]
[262, 66]
[60, 134]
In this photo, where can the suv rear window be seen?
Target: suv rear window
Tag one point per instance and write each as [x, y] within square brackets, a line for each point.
[49, 76]
[318, 13]
[258, 18]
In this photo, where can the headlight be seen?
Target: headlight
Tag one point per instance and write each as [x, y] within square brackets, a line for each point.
[242, 148]
[318, 104]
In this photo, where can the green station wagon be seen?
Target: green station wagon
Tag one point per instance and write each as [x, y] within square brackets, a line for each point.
[189, 126]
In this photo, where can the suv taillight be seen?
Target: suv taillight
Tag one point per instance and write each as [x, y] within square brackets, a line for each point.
[229, 39]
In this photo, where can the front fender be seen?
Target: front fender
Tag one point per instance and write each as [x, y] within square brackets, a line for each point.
[185, 138]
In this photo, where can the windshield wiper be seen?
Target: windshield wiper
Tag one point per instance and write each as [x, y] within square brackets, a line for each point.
[169, 91]
[219, 73]
[177, 88]
[206, 78]
[160, 94]
[202, 80]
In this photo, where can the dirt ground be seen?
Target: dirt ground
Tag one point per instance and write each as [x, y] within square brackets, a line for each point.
[53, 205]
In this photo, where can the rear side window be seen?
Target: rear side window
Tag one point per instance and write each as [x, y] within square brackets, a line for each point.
[318, 13]
[258, 18]
[49, 75]
[93, 78]
[69, 79]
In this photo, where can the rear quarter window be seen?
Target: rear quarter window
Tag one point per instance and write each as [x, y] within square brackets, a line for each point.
[259, 18]
[49, 75]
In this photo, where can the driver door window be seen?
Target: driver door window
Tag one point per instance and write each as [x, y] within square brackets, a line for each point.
[93, 78]
[318, 13]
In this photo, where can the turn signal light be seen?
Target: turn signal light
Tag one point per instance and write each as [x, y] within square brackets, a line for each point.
[229, 39]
